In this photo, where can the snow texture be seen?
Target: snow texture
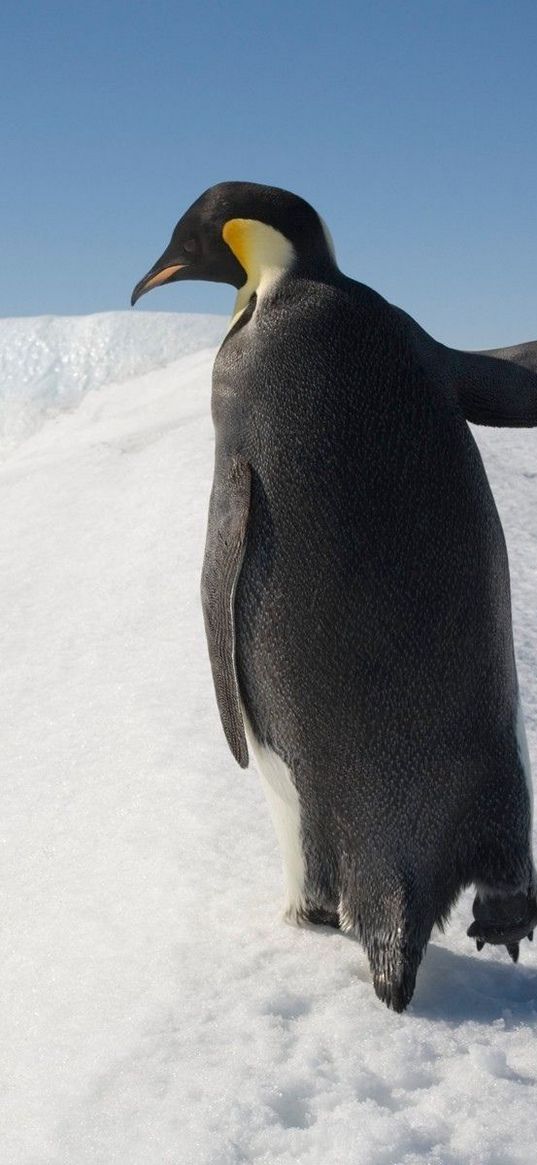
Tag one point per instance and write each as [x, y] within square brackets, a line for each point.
[48, 363]
[155, 1009]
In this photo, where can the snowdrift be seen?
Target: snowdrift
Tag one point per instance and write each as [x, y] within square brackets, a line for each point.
[155, 1009]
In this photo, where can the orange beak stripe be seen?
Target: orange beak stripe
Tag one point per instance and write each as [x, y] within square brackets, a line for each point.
[162, 276]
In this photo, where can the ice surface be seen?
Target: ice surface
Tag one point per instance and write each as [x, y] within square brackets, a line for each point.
[155, 1011]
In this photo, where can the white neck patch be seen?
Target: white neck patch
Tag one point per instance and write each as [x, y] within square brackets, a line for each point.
[264, 253]
[328, 239]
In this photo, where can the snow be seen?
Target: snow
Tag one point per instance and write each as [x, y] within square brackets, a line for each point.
[155, 1009]
[48, 363]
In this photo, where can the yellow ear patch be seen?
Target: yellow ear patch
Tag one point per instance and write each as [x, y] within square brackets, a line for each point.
[263, 252]
[236, 234]
[258, 247]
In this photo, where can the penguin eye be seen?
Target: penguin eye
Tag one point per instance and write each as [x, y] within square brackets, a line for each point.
[191, 246]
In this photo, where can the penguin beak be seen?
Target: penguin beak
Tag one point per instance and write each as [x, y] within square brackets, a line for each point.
[154, 278]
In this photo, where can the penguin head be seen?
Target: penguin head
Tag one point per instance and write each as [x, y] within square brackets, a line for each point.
[237, 230]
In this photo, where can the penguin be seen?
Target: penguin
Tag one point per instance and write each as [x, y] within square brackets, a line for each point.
[355, 589]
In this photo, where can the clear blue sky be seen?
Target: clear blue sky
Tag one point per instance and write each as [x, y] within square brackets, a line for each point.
[411, 126]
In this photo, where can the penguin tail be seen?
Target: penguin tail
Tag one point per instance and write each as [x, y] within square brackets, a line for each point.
[393, 920]
[394, 966]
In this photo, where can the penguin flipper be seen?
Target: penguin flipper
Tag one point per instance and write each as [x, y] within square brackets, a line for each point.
[226, 535]
[499, 387]
[495, 387]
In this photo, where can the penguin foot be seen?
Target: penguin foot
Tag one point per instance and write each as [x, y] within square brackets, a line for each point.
[504, 920]
[319, 916]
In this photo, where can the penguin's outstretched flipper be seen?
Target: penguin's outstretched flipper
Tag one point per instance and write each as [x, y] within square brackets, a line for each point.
[525, 355]
[499, 387]
[504, 920]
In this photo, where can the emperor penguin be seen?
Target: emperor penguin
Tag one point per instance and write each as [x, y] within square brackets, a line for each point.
[355, 588]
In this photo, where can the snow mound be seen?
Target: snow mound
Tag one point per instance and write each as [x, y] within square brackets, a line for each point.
[48, 363]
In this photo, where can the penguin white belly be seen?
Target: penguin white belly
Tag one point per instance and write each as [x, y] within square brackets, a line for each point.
[284, 807]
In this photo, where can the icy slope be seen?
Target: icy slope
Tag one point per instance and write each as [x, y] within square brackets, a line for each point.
[47, 363]
[155, 1010]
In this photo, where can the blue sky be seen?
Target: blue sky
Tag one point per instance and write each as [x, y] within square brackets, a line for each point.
[411, 127]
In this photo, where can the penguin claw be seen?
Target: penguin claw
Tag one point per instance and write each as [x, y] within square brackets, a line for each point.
[514, 951]
[504, 920]
[512, 948]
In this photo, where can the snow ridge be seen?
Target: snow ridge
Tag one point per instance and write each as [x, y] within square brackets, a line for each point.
[47, 363]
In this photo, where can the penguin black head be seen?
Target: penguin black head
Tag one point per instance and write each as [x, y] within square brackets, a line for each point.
[236, 230]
